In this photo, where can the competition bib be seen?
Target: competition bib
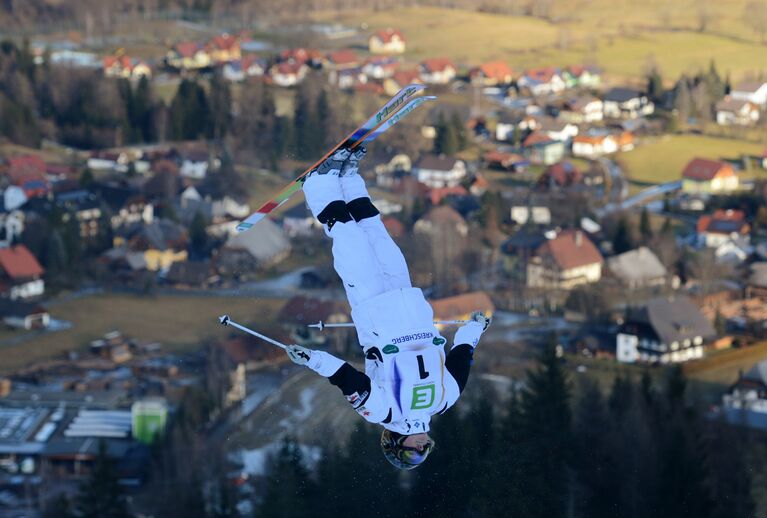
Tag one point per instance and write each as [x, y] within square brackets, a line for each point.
[416, 381]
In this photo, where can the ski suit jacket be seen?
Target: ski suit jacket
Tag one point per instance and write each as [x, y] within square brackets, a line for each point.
[408, 377]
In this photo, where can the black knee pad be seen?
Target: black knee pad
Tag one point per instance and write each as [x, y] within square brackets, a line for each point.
[336, 211]
[362, 208]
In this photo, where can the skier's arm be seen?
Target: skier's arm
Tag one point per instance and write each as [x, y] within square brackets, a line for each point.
[367, 399]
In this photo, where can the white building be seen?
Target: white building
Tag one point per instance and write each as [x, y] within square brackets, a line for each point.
[439, 171]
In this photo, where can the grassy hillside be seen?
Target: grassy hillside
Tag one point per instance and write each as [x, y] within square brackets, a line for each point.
[662, 159]
[622, 37]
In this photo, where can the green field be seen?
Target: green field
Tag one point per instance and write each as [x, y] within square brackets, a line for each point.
[622, 37]
[179, 323]
[663, 159]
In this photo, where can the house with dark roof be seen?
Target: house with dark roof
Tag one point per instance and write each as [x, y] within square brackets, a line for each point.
[387, 41]
[756, 286]
[565, 261]
[626, 103]
[21, 276]
[585, 108]
[666, 330]
[245, 253]
[722, 226]
[751, 91]
[439, 171]
[191, 274]
[380, 67]
[401, 78]
[705, 176]
[738, 112]
[299, 221]
[23, 315]
[126, 203]
[745, 402]
[158, 244]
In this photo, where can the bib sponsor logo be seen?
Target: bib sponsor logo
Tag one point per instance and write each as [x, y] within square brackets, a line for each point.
[423, 396]
[390, 349]
[356, 399]
[438, 341]
[411, 337]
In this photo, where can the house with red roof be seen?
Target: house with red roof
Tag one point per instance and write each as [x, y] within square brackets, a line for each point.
[437, 71]
[591, 146]
[568, 260]
[224, 48]
[504, 160]
[400, 79]
[542, 81]
[304, 56]
[460, 307]
[561, 175]
[579, 76]
[287, 74]
[539, 148]
[387, 41]
[125, 67]
[705, 176]
[188, 55]
[345, 59]
[21, 276]
[722, 226]
[492, 74]
[28, 172]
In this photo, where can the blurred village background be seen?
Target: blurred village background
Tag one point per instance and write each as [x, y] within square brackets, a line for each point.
[594, 174]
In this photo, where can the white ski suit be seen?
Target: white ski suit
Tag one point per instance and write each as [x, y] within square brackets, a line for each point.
[408, 377]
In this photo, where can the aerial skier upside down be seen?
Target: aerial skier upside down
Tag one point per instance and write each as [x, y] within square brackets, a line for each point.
[408, 378]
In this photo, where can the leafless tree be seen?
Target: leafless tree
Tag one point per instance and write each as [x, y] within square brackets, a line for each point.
[755, 17]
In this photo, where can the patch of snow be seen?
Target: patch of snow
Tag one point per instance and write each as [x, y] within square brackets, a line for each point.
[255, 462]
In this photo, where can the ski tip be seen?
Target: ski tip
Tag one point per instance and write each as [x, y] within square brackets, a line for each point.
[242, 227]
[223, 320]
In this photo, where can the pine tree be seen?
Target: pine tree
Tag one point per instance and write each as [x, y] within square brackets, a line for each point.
[289, 489]
[460, 131]
[304, 122]
[645, 229]
[622, 241]
[58, 507]
[198, 234]
[683, 99]
[546, 430]
[55, 257]
[655, 85]
[446, 141]
[220, 107]
[189, 113]
[141, 114]
[101, 496]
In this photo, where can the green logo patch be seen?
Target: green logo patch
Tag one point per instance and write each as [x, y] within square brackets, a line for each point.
[390, 349]
[438, 341]
[423, 397]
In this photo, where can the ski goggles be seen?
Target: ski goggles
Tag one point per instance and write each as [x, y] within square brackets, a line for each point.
[414, 456]
[408, 455]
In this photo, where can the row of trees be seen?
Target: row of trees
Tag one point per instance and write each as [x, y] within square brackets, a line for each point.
[640, 451]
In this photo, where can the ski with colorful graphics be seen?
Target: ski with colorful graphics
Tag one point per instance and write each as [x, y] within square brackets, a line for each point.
[382, 120]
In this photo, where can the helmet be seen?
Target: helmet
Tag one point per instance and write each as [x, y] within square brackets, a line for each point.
[403, 457]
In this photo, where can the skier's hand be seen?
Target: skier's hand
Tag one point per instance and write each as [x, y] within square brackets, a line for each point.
[299, 355]
[470, 332]
[478, 316]
[352, 164]
[334, 163]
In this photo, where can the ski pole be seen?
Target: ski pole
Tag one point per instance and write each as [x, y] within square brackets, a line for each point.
[321, 325]
[226, 321]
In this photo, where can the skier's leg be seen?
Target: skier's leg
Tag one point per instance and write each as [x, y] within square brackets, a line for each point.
[361, 208]
[353, 257]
